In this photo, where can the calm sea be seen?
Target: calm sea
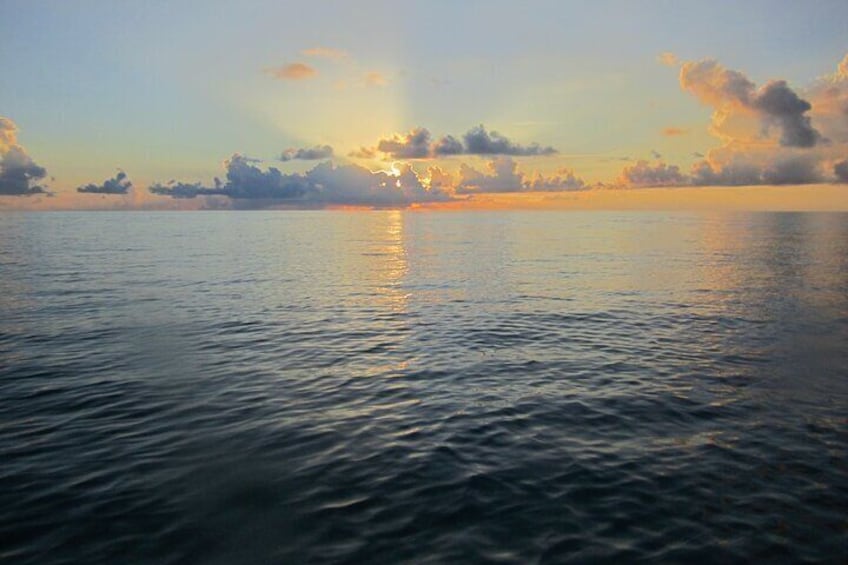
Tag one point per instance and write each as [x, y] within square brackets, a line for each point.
[428, 387]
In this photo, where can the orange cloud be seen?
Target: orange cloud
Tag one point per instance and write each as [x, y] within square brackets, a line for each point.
[668, 59]
[325, 53]
[293, 71]
[375, 79]
[673, 131]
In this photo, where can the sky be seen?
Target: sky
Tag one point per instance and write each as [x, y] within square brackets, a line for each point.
[253, 104]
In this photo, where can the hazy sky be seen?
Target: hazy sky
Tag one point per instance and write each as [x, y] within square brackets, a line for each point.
[579, 93]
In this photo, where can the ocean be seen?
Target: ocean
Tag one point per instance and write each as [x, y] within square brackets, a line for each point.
[423, 387]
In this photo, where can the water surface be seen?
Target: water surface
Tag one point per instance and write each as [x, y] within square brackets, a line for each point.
[516, 387]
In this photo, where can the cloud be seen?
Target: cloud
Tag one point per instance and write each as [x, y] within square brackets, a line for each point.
[307, 153]
[656, 154]
[771, 134]
[564, 180]
[673, 131]
[413, 145]
[503, 176]
[659, 174]
[18, 172]
[480, 142]
[418, 144]
[734, 97]
[325, 53]
[840, 169]
[293, 71]
[668, 59]
[374, 78]
[119, 184]
[324, 184]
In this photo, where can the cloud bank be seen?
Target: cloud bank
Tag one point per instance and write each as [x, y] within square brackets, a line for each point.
[770, 134]
[19, 174]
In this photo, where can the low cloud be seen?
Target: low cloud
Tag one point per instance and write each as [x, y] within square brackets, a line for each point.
[307, 153]
[293, 71]
[325, 184]
[119, 184]
[418, 144]
[643, 173]
[840, 169]
[19, 174]
[502, 175]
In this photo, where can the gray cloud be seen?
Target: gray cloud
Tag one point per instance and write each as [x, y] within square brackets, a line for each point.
[119, 184]
[480, 142]
[840, 169]
[413, 145]
[307, 153]
[660, 174]
[785, 108]
[731, 92]
[324, 184]
[502, 177]
[417, 144]
[18, 172]
[798, 169]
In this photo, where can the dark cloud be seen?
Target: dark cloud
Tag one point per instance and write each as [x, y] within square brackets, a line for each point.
[417, 144]
[413, 145]
[659, 174]
[840, 169]
[19, 174]
[324, 184]
[307, 153]
[736, 173]
[448, 145]
[800, 169]
[732, 94]
[480, 142]
[119, 184]
[785, 108]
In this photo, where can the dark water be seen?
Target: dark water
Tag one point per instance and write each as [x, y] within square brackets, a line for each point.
[291, 387]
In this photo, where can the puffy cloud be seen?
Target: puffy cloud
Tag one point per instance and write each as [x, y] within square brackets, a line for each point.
[18, 172]
[734, 98]
[796, 169]
[480, 142]
[324, 184]
[673, 131]
[119, 184]
[840, 169]
[564, 180]
[417, 144]
[413, 145]
[448, 145]
[293, 71]
[502, 177]
[643, 173]
[307, 153]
